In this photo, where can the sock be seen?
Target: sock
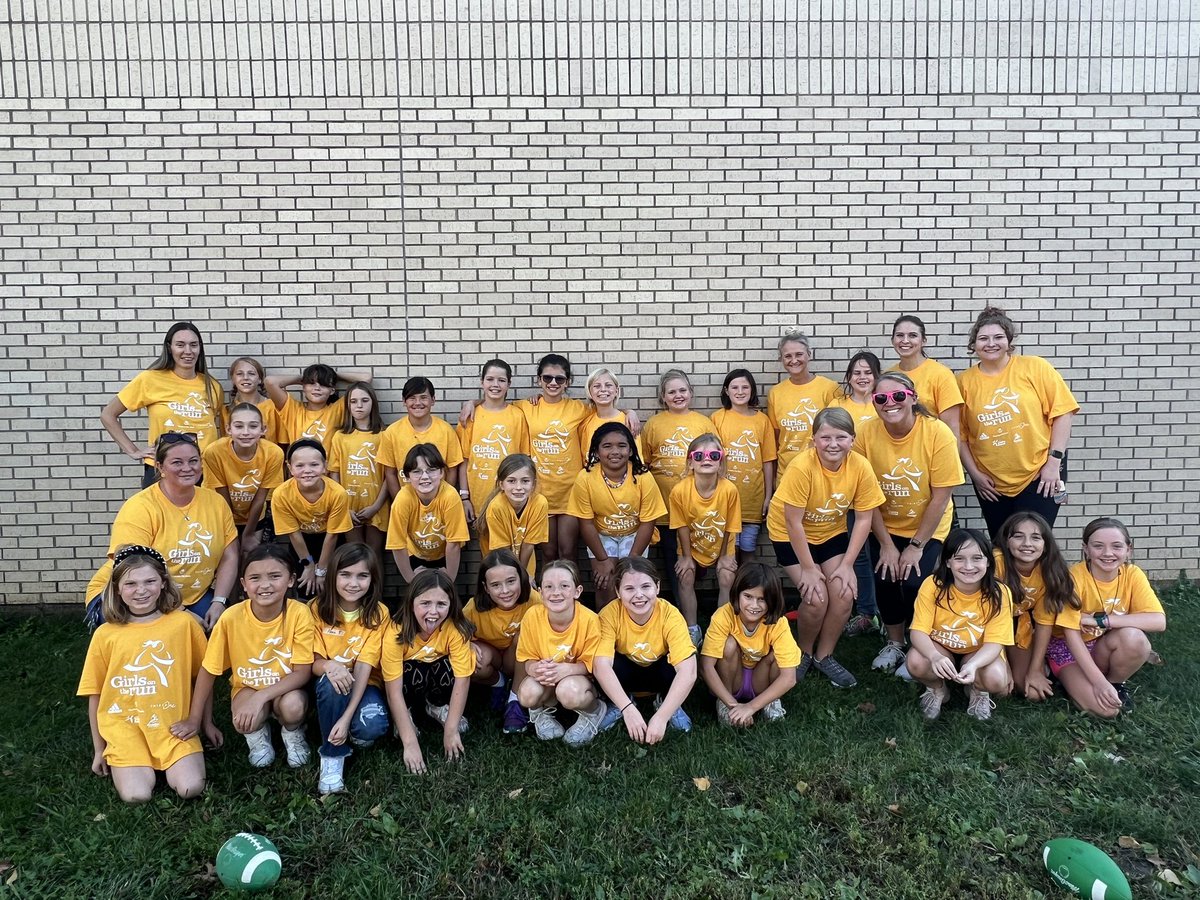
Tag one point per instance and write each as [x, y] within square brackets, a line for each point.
[512, 695]
[500, 680]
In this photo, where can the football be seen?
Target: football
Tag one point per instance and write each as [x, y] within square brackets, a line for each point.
[1085, 870]
[248, 862]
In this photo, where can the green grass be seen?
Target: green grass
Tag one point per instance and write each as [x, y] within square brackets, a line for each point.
[851, 796]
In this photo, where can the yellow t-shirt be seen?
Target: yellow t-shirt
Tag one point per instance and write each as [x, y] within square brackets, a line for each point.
[712, 524]
[354, 458]
[791, 408]
[506, 529]
[823, 495]
[259, 654]
[400, 437]
[859, 412]
[1006, 419]
[764, 639]
[223, 468]
[143, 673]
[664, 443]
[578, 643]
[424, 530]
[296, 421]
[937, 388]
[554, 434]
[1130, 592]
[664, 634]
[190, 538]
[489, 437]
[749, 441]
[909, 468]
[1029, 607]
[446, 640]
[616, 512]
[291, 512]
[349, 643]
[591, 425]
[175, 404]
[497, 626]
[959, 624]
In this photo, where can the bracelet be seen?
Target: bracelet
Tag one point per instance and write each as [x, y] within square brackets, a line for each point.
[626, 706]
[321, 572]
[221, 600]
[464, 493]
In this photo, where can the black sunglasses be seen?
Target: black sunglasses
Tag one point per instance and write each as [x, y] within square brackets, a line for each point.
[554, 379]
[178, 437]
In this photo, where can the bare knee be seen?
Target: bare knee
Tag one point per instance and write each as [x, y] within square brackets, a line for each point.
[531, 694]
[575, 692]
[994, 679]
[291, 708]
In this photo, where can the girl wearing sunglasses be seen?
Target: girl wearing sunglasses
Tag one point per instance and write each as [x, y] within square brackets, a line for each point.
[813, 541]
[914, 456]
[706, 514]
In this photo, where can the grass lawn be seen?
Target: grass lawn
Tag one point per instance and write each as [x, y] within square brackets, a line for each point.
[851, 796]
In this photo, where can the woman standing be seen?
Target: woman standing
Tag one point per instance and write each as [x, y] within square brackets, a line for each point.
[935, 384]
[792, 404]
[178, 394]
[1016, 425]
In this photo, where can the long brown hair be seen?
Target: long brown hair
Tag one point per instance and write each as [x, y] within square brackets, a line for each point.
[428, 580]
[1056, 574]
[371, 606]
[989, 587]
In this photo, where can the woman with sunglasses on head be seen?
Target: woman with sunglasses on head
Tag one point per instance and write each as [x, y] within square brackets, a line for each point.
[192, 527]
[1016, 425]
[915, 458]
[178, 394]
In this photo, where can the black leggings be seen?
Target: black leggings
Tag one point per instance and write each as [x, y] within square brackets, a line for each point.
[995, 512]
[896, 598]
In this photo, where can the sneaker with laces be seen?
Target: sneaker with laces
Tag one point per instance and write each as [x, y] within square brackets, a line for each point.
[858, 625]
[679, 720]
[587, 726]
[806, 662]
[723, 715]
[890, 657]
[980, 704]
[516, 719]
[440, 714]
[330, 780]
[1124, 696]
[696, 635]
[296, 747]
[545, 725]
[262, 754]
[835, 672]
[773, 711]
[931, 703]
[611, 718]
[903, 673]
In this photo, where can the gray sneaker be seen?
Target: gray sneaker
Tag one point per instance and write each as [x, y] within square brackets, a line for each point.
[545, 725]
[773, 711]
[931, 703]
[441, 713]
[586, 727]
[835, 672]
[980, 705]
[723, 714]
[806, 661]
[890, 657]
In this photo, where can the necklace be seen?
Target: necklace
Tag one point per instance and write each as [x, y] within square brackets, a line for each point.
[614, 484]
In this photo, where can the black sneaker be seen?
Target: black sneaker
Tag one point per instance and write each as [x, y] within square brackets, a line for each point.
[805, 664]
[1126, 697]
[835, 672]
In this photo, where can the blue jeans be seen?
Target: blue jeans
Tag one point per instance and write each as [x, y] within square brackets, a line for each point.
[369, 724]
[864, 571]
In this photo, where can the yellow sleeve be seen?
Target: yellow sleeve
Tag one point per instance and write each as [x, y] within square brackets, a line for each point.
[228, 526]
[678, 504]
[537, 529]
[923, 609]
[867, 493]
[339, 521]
[783, 645]
[589, 635]
[303, 634]
[337, 453]
[767, 445]
[397, 532]
[796, 484]
[134, 395]
[214, 472]
[282, 512]
[216, 655]
[733, 511]
[455, 518]
[718, 631]
[95, 665]
[1142, 598]
[999, 628]
[675, 633]
[609, 621]
[372, 647]
[452, 451]
[652, 506]
[133, 524]
[462, 656]
[391, 655]
[530, 636]
[580, 502]
[945, 465]
[272, 467]
[199, 646]
[1056, 397]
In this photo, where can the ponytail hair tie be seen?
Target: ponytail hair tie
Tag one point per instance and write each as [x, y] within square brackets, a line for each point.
[137, 550]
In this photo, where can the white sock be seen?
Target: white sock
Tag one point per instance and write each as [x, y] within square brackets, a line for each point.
[500, 680]
[512, 695]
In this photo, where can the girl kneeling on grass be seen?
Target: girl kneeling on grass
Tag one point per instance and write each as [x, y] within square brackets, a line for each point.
[556, 650]
[138, 680]
[266, 643]
[427, 658]
[644, 648]
[350, 622]
[502, 597]
[749, 657]
[1118, 609]
[961, 624]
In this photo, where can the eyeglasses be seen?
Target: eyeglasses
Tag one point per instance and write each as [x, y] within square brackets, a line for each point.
[553, 379]
[895, 396]
[171, 438]
[422, 474]
[714, 455]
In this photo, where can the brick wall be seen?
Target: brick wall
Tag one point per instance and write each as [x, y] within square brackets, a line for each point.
[414, 196]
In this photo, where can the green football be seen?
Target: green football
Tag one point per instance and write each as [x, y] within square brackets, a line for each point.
[1085, 870]
[248, 862]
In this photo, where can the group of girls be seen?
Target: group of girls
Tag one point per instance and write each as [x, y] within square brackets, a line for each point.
[854, 484]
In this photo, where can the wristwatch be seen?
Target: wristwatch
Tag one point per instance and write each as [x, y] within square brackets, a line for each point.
[1057, 454]
[915, 542]
[464, 493]
[307, 561]
[1101, 621]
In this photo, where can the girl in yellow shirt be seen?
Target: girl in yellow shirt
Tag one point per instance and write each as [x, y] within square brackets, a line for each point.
[489, 432]
[427, 659]
[706, 515]
[603, 392]
[516, 514]
[502, 597]
[312, 512]
[138, 680]
[420, 426]
[749, 442]
[247, 381]
[556, 651]
[749, 657]
[244, 468]
[353, 463]
[319, 413]
[350, 623]
[428, 525]
[266, 643]
[961, 625]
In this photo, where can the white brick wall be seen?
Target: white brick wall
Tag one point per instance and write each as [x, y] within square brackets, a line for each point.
[383, 220]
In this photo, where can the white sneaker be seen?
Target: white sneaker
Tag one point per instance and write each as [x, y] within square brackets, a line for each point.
[262, 754]
[723, 714]
[890, 657]
[545, 725]
[902, 672]
[980, 705]
[441, 713]
[330, 780]
[296, 746]
[773, 711]
[696, 635]
[586, 727]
